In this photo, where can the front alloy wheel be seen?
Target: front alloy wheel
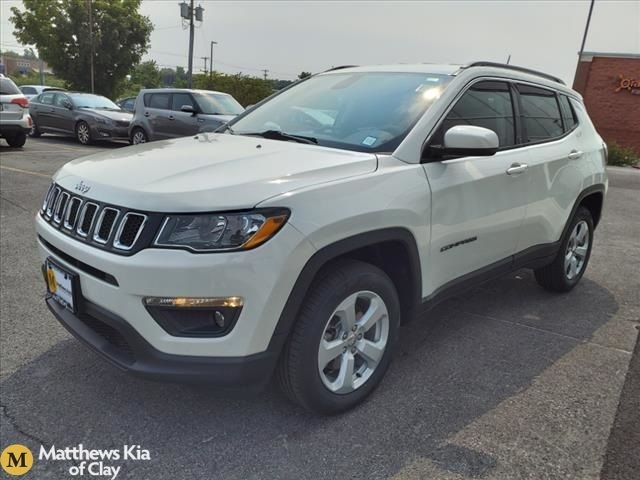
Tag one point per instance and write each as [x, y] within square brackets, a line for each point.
[83, 133]
[138, 137]
[342, 342]
[353, 342]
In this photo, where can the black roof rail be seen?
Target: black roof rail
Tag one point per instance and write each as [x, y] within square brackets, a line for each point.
[516, 68]
[340, 67]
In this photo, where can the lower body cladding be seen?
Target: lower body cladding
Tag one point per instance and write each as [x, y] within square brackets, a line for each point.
[129, 308]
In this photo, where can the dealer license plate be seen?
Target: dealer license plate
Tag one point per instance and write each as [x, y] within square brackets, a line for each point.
[61, 284]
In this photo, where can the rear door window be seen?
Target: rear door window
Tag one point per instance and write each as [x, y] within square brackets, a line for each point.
[180, 99]
[47, 98]
[540, 113]
[159, 100]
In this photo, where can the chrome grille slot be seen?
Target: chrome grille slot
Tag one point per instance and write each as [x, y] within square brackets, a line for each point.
[46, 197]
[51, 201]
[105, 224]
[86, 218]
[129, 230]
[58, 213]
[72, 213]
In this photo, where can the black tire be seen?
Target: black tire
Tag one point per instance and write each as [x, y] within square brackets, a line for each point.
[83, 133]
[34, 132]
[298, 370]
[554, 277]
[138, 136]
[16, 141]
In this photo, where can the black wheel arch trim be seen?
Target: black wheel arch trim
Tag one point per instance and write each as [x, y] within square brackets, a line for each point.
[333, 251]
[593, 189]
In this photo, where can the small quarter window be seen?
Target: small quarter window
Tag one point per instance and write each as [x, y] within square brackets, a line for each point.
[568, 113]
[540, 112]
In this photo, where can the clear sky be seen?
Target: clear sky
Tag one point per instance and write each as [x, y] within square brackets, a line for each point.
[288, 37]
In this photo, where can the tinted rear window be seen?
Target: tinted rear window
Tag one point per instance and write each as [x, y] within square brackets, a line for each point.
[541, 117]
[157, 100]
[7, 87]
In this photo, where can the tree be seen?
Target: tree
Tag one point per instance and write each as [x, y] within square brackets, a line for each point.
[146, 75]
[304, 75]
[246, 90]
[60, 32]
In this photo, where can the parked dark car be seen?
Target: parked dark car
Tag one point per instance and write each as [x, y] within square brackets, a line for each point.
[85, 116]
[128, 104]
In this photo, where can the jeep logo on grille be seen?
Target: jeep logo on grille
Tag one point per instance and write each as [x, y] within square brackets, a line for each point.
[82, 187]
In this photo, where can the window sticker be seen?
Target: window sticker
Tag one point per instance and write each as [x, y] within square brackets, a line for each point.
[369, 141]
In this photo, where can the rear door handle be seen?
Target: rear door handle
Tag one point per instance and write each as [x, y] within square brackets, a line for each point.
[146, 114]
[171, 117]
[517, 168]
[574, 155]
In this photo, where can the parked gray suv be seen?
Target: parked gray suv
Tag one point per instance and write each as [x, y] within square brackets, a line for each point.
[169, 113]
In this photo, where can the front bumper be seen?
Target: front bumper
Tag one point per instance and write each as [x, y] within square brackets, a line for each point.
[116, 285]
[118, 342]
[109, 132]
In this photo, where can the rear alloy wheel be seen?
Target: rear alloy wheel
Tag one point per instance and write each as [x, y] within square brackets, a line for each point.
[342, 342]
[138, 136]
[571, 262]
[17, 140]
[83, 133]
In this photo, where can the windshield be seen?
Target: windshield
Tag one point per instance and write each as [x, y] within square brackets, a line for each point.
[364, 111]
[93, 101]
[218, 104]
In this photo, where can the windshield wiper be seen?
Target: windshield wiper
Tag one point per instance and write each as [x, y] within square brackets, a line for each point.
[278, 135]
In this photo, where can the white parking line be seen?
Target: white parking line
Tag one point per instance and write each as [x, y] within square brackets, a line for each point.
[27, 172]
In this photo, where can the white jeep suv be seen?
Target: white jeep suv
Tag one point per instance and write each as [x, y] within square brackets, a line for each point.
[297, 238]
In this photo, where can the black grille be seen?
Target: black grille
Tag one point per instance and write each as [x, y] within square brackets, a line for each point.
[108, 218]
[112, 336]
[130, 229]
[101, 225]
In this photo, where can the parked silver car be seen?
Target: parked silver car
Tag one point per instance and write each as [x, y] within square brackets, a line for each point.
[170, 113]
[31, 91]
[15, 121]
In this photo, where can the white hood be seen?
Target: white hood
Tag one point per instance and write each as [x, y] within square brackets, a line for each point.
[208, 172]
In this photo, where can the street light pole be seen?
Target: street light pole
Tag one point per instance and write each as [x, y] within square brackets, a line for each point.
[211, 58]
[586, 30]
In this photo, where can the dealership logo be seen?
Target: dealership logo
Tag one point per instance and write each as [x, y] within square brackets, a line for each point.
[82, 187]
[16, 459]
[632, 85]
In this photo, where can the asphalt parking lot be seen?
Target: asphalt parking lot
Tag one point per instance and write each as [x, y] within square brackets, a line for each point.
[505, 382]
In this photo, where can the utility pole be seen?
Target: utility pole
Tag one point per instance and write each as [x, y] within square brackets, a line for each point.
[91, 42]
[192, 15]
[211, 57]
[191, 31]
[205, 63]
[41, 71]
[586, 30]
[265, 71]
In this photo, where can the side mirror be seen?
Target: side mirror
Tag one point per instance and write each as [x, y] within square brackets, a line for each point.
[188, 109]
[468, 141]
[68, 105]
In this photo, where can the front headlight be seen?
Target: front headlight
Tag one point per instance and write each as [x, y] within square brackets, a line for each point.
[221, 231]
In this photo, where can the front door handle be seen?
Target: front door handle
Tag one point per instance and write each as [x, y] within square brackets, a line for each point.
[171, 117]
[147, 114]
[574, 155]
[517, 168]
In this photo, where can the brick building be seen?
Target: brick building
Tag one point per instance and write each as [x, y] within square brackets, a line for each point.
[610, 85]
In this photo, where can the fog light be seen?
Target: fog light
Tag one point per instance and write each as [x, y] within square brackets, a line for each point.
[195, 317]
